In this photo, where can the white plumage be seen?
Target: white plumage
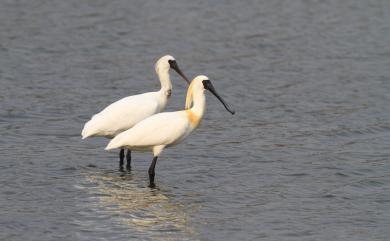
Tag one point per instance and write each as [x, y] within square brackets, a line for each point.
[162, 129]
[125, 113]
[166, 129]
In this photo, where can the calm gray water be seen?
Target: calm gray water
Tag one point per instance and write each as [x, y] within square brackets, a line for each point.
[306, 157]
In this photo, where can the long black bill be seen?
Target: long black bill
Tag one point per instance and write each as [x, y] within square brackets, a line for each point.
[208, 86]
[174, 66]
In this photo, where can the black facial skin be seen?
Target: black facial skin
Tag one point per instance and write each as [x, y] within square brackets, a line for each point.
[173, 65]
[208, 86]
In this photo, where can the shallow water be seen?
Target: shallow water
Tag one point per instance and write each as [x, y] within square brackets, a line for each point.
[306, 157]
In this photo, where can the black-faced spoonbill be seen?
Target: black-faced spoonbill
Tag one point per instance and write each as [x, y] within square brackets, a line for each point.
[125, 113]
[169, 128]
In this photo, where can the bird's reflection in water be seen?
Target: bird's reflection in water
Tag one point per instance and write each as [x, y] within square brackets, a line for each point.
[143, 209]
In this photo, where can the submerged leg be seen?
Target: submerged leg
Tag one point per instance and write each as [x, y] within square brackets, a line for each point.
[128, 158]
[151, 172]
[121, 157]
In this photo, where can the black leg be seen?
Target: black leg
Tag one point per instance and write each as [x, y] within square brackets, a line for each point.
[121, 157]
[151, 172]
[128, 158]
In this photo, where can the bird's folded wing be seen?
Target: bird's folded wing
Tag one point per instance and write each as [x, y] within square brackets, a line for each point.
[159, 129]
[122, 114]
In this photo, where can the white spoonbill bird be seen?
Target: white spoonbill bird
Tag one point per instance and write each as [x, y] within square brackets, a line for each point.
[169, 128]
[125, 113]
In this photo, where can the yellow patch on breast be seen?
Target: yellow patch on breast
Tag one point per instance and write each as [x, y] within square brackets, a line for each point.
[193, 118]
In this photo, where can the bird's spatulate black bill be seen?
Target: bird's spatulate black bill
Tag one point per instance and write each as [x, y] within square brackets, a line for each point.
[175, 66]
[208, 86]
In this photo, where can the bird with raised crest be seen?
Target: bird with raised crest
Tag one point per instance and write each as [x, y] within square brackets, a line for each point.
[169, 128]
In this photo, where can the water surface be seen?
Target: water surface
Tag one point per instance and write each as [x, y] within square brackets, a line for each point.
[306, 157]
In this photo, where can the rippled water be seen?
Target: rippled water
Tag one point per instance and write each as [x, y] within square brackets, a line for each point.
[306, 157]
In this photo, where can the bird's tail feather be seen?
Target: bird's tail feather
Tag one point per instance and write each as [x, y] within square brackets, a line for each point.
[88, 130]
[114, 143]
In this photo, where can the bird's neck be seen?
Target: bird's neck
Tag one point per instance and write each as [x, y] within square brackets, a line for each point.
[165, 81]
[198, 104]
